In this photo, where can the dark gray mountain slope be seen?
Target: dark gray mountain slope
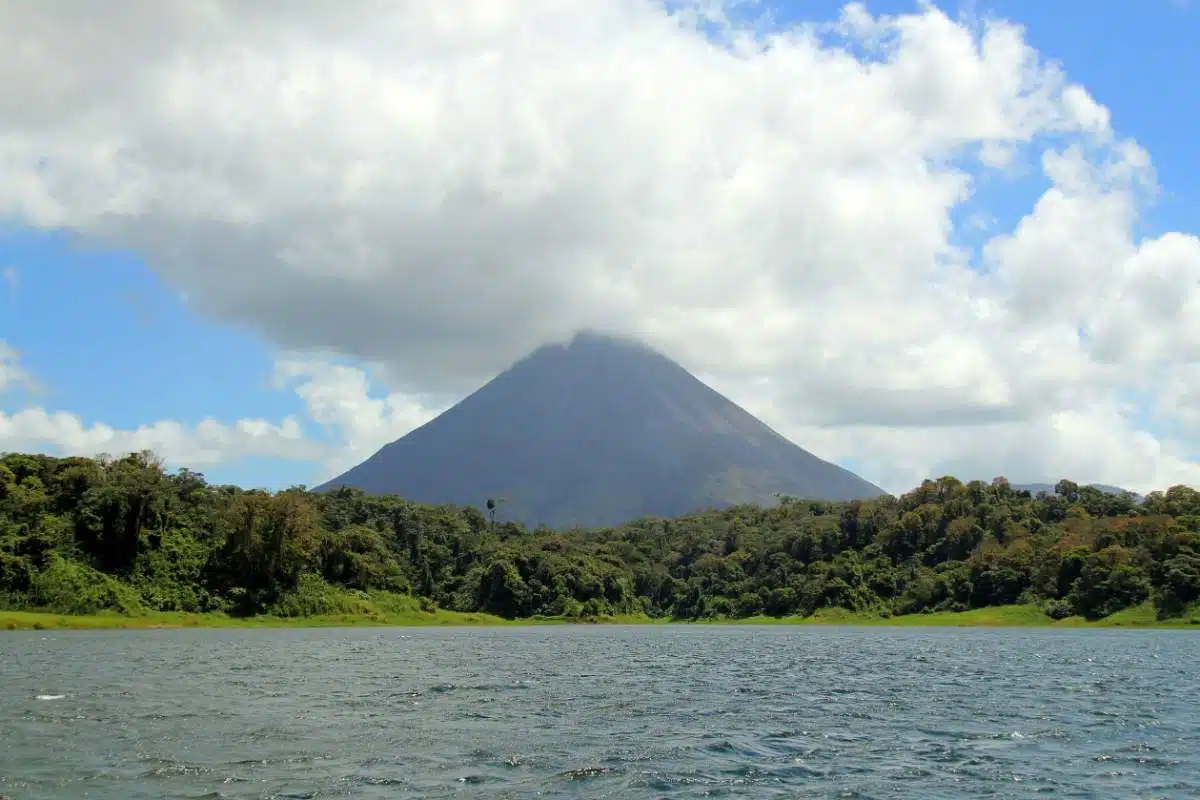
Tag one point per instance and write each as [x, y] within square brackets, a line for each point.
[597, 432]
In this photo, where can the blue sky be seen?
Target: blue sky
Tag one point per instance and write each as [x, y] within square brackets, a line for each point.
[105, 337]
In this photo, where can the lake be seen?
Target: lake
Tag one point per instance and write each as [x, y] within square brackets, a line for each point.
[600, 712]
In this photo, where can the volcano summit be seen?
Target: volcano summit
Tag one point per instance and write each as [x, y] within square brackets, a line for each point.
[596, 432]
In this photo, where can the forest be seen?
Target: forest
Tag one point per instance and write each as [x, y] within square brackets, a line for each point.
[82, 535]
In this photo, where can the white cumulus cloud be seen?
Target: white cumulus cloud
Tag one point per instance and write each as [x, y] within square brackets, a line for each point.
[339, 397]
[207, 443]
[12, 374]
[337, 400]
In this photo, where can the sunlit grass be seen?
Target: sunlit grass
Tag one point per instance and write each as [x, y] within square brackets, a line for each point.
[403, 612]
[998, 616]
[16, 620]
[1026, 616]
[1142, 616]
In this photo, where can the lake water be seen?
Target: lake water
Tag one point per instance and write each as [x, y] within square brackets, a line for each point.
[596, 711]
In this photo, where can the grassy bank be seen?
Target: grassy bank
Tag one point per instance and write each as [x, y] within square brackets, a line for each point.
[19, 620]
[1015, 616]
[1000, 616]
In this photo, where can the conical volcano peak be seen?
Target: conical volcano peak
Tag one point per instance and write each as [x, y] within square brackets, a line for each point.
[601, 362]
[595, 431]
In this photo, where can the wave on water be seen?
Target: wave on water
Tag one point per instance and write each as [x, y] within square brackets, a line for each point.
[571, 713]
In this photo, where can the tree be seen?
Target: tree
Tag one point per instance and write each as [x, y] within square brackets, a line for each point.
[88, 534]
[272, 540]
[492, 505]
[1067, 490]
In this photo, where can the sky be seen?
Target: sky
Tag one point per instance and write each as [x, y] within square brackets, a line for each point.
[918, 239]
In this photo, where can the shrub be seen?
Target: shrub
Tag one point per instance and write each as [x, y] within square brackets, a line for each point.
[314, 597]
[1059, 609]
[69, 587]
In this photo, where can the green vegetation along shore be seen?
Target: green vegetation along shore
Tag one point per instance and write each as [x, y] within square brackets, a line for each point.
[1025, 616]
[122, 542]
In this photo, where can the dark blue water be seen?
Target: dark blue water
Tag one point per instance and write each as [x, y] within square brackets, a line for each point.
[618, 712]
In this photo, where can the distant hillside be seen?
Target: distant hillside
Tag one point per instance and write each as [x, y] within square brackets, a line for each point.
[597, 432]
[1048, 488]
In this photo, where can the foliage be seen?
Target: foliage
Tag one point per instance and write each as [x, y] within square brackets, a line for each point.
[84, 535]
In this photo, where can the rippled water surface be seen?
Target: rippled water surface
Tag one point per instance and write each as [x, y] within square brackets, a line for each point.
[621, 712]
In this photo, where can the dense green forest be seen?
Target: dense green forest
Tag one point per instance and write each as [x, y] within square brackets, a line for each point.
[81, 535]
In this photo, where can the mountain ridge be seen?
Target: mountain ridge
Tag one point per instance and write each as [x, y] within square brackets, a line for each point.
[1048, 488]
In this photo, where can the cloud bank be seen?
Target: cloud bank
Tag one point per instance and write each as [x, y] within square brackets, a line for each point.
[799, 213]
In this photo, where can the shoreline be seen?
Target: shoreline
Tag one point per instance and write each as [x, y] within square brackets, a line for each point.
[1138, 617]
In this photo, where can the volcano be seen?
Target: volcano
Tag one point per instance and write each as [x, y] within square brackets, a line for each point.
[593, 433]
